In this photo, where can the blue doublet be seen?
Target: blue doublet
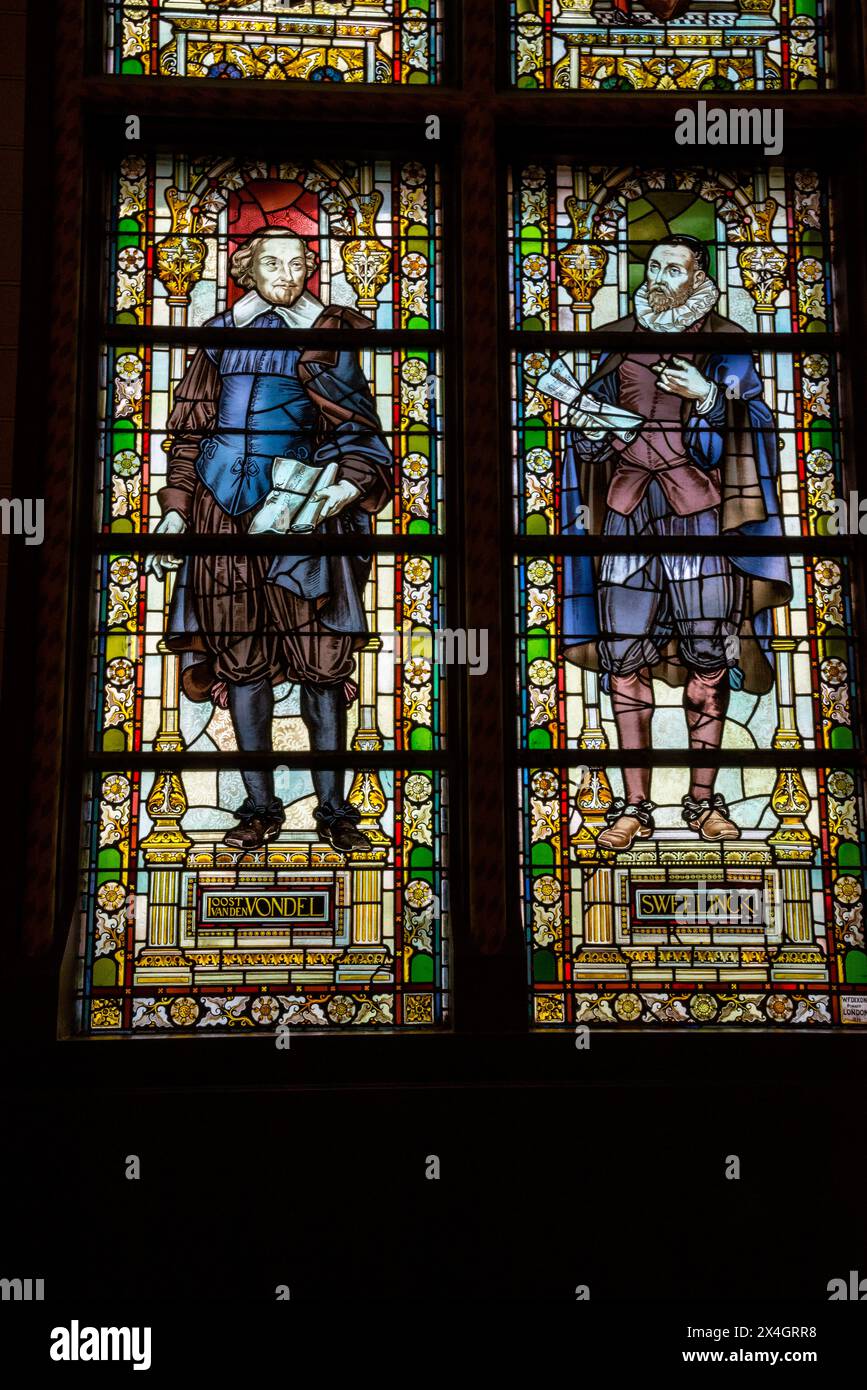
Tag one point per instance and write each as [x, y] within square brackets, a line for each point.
[264, 413]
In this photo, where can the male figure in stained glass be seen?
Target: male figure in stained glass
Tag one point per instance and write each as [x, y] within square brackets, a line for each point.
[660, 9]
[247, 622]
[703, 463]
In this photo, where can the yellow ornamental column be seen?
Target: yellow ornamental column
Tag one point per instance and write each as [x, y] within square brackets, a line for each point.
[583, 263]
[367, 264]
[599, 957]
[798, 958]
[366, 260]
[164, 851]
[764, 268]
[180, 262]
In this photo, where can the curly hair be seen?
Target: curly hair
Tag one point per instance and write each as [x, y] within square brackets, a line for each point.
[241, 264]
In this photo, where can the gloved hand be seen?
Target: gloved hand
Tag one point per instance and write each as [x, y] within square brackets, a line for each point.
[172, 524]
[333, 499]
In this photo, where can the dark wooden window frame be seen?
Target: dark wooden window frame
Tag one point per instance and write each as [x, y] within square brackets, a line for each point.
[484, 124]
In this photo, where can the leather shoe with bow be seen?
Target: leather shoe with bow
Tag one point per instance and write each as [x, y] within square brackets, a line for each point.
[343, 835]
[710, 818]
[626, 822]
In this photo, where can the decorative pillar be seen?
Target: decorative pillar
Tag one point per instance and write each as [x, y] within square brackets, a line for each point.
[798, 958]
[764, 268]
[366, 792]
[366, 259]
[599, 956]
[180, 261]
[757, 19]
[374, 22]
[575, 17]
[164, 849]
[763, 265]
[583, 262]
[367, 263]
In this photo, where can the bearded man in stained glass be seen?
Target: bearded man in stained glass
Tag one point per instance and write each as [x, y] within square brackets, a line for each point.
[246, 623]
[703, 461]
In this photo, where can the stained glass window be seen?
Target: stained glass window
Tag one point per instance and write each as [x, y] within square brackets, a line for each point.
[289, 40]
[233, 880]
[581, 237]
[691, 823]
[671, 45]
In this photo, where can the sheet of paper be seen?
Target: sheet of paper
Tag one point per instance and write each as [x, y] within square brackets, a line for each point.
[306, 516]
[290, 504]
[293, 475]
[593, 417]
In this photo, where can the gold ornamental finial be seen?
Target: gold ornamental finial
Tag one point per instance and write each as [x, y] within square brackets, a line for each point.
[764, 270]
[583, 261]
[763, 265]
[762, 215]
[366, 259]
[167, 842]
[181, 255]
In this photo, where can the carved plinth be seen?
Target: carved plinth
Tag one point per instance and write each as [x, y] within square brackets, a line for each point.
[675, 909]
[296, 912]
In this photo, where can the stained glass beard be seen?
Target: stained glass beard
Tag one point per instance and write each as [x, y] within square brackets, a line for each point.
[681, 316]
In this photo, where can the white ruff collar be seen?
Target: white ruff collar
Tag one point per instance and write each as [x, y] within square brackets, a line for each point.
[700, 303]
[302, 314]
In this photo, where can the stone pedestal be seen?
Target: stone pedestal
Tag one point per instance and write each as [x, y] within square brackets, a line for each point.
[677, 910]
[293, 913]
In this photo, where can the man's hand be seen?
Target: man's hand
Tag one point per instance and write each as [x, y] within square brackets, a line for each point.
[333, 499]
[577, 419]
[683, 379]
[172, 524]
